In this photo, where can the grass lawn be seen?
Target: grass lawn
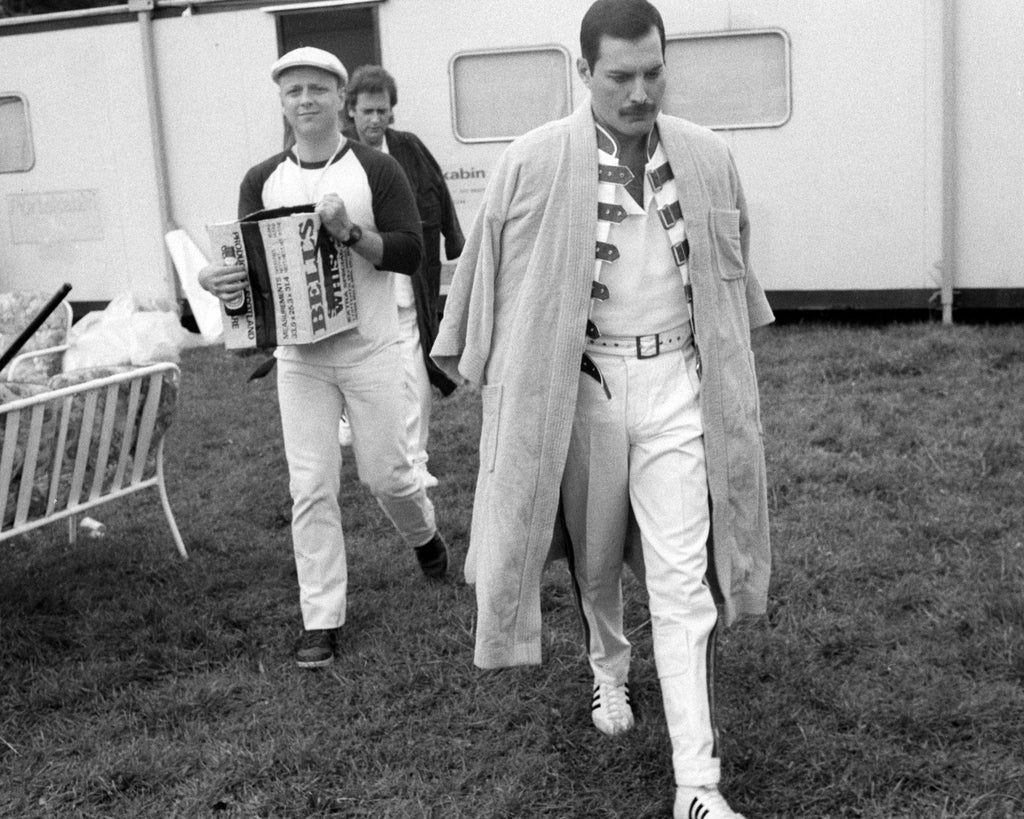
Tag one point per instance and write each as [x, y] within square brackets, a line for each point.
[887, 679]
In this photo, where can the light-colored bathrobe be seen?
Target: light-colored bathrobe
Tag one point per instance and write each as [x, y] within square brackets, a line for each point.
[514, 322]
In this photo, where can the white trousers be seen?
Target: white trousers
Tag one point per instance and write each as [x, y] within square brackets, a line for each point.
[644, 449]
[311, 399]
[417, 387]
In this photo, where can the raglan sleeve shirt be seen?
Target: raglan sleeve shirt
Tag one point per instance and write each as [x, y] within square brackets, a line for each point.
[395, 215]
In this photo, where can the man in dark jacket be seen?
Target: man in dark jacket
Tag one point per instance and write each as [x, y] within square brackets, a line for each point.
[370, 96]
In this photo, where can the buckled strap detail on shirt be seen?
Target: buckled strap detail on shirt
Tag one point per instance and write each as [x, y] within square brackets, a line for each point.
[670, 214]
[660, 175]
[599, 291]
[606, 252]
[648, 346]
[610, 213]
[681, 252]
[617, 174]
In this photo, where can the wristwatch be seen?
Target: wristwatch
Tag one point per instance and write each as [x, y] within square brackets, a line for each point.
[355, 233]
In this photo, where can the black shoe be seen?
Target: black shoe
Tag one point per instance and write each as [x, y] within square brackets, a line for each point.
[315, 648]
[433, 557]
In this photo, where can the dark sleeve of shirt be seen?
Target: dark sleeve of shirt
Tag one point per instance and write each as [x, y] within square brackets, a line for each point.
[250, 195]
[394, 210]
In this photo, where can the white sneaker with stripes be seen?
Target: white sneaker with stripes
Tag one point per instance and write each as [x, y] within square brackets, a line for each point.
[702, 803]
[610, 708]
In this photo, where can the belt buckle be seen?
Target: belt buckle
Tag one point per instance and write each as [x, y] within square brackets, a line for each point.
[648, 346]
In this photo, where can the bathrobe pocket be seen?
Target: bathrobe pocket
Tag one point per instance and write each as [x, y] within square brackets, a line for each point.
[725, 233]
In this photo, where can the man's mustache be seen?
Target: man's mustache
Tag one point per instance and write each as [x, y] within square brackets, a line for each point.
[638, 110]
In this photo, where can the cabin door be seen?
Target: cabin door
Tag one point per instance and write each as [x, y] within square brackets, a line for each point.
[351, 34]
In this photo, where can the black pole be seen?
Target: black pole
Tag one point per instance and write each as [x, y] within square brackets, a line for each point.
[34, 325]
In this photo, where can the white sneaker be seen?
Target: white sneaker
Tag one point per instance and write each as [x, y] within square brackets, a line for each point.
[702, 803]
[610, 709]
[344, 432]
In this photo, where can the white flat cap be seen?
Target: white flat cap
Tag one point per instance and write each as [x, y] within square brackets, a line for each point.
[309, 57]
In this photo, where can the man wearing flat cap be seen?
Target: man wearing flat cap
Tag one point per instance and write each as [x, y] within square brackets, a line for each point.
[365, 203]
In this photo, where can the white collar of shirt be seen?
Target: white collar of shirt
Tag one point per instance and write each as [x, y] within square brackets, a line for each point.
[608, 154]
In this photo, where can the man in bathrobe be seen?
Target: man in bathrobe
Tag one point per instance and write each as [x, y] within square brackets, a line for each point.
[604, 301]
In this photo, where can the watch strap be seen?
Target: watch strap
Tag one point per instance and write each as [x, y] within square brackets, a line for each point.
[355, 233]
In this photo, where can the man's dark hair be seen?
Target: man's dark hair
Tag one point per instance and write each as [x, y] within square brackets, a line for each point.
[370, 79]
[621, 19]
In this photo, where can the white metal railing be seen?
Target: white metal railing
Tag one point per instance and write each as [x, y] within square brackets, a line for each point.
[71, 449]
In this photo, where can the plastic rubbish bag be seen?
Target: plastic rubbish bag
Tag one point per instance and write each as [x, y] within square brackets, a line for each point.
[130, 331]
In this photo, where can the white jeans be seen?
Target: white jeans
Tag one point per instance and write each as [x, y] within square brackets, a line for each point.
[417, 387]
[643, 449]
[311, 399]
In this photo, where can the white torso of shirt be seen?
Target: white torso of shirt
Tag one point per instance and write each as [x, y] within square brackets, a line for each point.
[378, 319]
[645, 286]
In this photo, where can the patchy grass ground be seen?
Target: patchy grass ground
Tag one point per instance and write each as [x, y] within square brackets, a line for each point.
[886, 681]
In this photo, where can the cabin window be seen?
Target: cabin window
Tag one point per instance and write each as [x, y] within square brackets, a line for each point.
[15, 137]
[499, 95]
[729, 80]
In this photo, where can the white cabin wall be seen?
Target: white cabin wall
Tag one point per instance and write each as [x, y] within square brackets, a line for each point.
[418, 41]
[845, 195]
[990, 145]
[90, 131]
[412, 32]
[933, 94]
[221, 120]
